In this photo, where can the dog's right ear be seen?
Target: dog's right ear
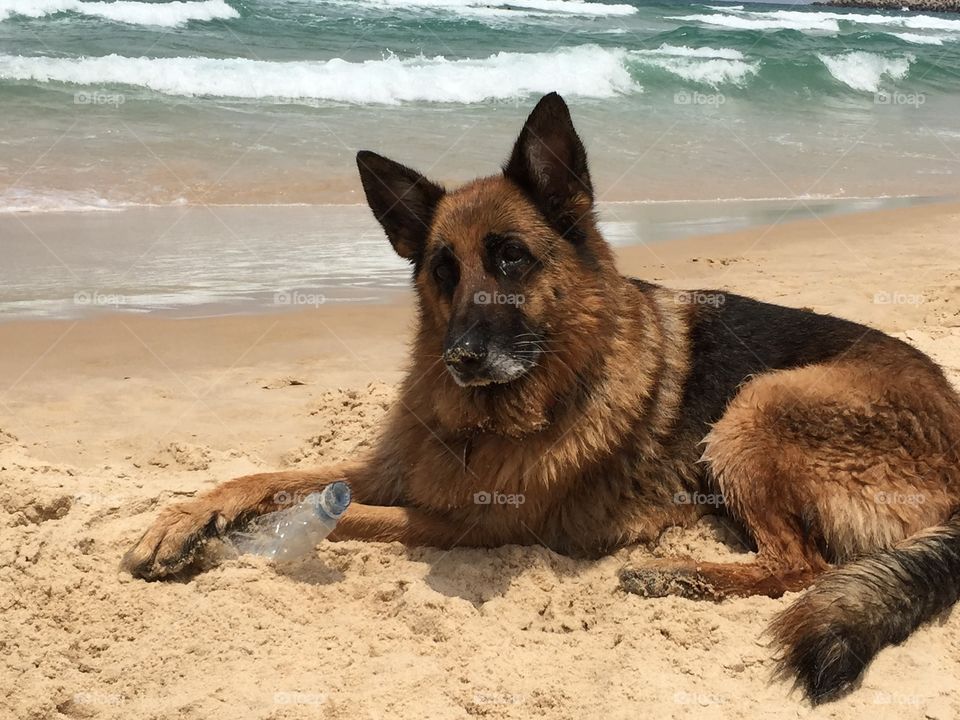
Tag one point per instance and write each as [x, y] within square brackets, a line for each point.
[402, 200]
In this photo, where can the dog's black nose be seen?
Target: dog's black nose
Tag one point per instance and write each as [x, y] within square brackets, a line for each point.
[466, 355]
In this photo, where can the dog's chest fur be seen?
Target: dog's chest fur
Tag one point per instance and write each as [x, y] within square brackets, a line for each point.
[610, 444]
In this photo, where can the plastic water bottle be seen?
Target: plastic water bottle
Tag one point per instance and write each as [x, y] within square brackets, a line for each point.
[293, 532]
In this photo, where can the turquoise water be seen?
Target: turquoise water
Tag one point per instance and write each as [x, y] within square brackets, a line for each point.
[265, 102]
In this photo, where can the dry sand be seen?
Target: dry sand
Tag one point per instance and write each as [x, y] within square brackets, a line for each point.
[104, 421]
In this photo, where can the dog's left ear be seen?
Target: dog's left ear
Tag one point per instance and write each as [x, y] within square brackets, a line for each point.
[402, 200]
[549, 163]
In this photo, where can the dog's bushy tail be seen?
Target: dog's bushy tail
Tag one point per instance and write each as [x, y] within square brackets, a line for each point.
[828, 636]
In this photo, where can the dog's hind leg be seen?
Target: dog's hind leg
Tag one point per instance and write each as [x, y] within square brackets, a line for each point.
[855, 462]
[785, 562]
[819, 464]
[171, 542]
[689, 578]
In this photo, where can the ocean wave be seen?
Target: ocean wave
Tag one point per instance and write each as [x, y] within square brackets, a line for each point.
[502, 8]
[928, 22]
[914, 22]
[704, 65]
[699, 52]
[585, 71]
[794, 16]
[919, 39]
[764, 21]
[812, 21]
[865, 71]
[162, 14]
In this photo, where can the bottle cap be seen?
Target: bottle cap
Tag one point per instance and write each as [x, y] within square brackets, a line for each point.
[334, 499]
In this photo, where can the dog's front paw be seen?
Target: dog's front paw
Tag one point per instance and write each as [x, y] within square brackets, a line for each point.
[171, 543]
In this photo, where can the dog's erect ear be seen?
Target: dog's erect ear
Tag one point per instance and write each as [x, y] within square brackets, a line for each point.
[549, 163]
[402, 200]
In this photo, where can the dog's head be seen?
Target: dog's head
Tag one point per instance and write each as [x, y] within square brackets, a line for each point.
[504, 262]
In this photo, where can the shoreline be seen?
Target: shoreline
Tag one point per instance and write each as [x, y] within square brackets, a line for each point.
[732, 261]
[37, 211]
[188, 261]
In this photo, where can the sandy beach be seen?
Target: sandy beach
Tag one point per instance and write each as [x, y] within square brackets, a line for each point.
[105, 420]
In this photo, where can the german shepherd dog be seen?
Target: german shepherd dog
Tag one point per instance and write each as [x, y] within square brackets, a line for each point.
[539, 373]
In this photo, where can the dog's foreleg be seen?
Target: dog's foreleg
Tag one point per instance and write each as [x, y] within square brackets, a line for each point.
[174, 537]
[410, 526]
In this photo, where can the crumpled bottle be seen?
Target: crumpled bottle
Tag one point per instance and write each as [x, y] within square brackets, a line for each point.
[293, 532]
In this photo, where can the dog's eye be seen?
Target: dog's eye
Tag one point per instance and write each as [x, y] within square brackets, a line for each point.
[446, 275]
[513, 254]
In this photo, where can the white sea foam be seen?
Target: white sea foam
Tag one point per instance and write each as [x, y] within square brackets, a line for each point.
[700, 52]
[793, 16]
[162, 14]
[585, 71]
[507, 9]
[705, 65]
[14, 200]
[764, 21]
[918, 39]
[927, 22]
[714, 72]
[915, 22]
[865, 71]
[813, 21]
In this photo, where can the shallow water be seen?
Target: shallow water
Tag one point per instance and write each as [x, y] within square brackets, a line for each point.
[219, 260]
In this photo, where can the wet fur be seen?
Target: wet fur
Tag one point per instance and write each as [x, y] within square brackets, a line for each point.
[633, 398]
